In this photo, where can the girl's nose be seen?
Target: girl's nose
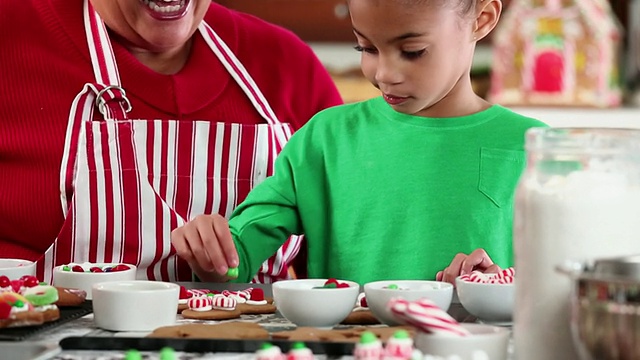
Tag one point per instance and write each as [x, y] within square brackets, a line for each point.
[387, 71]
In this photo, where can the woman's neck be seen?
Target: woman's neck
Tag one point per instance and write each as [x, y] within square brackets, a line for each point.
[166, 62]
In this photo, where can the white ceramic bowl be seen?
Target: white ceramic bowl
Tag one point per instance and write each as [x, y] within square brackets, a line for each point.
[490, 303]
[299, 303]
[491, 340]
[378, 295]
[16, 268]
[86, 280]
[137, 305]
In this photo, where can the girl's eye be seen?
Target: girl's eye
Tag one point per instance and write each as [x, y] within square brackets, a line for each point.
[365, 49]
[413, 54]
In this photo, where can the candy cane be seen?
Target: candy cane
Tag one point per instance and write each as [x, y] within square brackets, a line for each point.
[427, 316]
[224, 303]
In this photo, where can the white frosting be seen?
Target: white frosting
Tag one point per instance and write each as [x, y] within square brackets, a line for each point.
[253, 302]
[45, 308]
[272, 353]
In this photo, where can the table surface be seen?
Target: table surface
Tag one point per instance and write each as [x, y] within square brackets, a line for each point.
[45, 345]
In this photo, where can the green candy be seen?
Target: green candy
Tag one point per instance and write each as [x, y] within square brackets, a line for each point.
[266, 346]
[298, 345]
[66, 268]
[133, 355]
[368, 337]
[233, 273]
[167, 353]
[401, 334]
[392, 286]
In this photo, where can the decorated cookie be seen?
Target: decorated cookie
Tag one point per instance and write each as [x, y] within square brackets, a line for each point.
[257, 303]
[399, 346]
[269, 351]
[16, 310]
[368, 348]
[70, 297]
[299, 351]
[222, 308]
[43, 298]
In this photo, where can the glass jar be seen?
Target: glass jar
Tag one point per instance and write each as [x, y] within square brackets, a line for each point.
[578, 199]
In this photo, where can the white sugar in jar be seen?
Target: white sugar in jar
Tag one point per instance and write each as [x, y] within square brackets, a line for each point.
[579, 199]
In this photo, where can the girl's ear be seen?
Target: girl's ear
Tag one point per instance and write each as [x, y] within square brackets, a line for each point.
[487, 16]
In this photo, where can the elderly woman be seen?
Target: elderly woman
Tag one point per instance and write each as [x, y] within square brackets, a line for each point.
[122, 119]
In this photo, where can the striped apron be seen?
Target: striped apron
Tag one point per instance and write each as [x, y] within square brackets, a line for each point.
[125, 184]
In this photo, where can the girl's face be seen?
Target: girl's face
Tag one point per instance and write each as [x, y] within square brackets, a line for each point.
[156, 25]
[417, 53]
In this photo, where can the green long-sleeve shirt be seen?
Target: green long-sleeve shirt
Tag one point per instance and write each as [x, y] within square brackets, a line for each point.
[384, 195]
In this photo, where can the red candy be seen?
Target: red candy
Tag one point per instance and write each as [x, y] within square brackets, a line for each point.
[331, 281]
[4, 281]
[30, 281]
[5, 310]
[184, 293]
[77, 268]
[95, 269]
[257, 295]
[120, 267]
[16, 285]
[343, 285]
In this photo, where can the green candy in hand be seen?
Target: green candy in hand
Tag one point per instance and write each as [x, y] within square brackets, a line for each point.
[232, 273]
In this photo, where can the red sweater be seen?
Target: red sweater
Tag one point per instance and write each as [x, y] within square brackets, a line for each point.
[45, 63]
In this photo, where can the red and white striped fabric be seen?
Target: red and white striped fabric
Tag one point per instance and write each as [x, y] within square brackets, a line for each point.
[126, 184]
[200, 303]
[220, 302]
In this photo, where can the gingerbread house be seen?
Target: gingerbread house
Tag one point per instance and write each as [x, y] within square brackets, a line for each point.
[557, 53]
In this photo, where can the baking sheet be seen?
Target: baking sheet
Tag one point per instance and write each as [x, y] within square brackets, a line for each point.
[197, 345]
[66, 314]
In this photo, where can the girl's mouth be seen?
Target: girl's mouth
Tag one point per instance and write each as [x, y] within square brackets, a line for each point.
[166, 9]
[394, 100]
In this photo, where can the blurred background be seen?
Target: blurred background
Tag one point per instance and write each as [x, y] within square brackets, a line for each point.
[325, 25]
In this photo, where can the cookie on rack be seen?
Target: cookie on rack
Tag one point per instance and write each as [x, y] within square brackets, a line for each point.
[232, 330]
[215, 307]
[256, 303]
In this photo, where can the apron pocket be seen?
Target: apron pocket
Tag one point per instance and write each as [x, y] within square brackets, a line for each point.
[500, 170]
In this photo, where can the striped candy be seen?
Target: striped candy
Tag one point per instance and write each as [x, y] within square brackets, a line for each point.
[221, 302]
[506, 276]
[427, 316]
[200, 303]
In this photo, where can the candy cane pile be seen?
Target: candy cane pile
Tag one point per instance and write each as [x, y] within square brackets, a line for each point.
[505, 276]
[427, 316]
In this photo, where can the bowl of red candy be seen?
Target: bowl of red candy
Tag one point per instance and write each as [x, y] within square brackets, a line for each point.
[82, 276]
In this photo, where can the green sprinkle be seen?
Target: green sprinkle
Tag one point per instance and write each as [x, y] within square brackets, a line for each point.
[66, 268]
[298, 345]
[233, 273]
[133, 355]
[331, 286]
[392, 286]
[167, 353]
[368, 337]
[266, 346]
[401, 334]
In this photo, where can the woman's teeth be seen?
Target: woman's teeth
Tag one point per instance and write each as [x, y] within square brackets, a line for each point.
[164, 8]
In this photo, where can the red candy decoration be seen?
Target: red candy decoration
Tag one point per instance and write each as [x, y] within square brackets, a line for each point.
[257, 295]
[331, 281]
[95, 269]
[77, 268]
[4, 281]
[120, 267]
[30, 281]
[16, 285]
[184, 293]
[343, 285]
[5, 310]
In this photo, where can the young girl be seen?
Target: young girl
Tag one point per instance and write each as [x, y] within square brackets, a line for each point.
[394, 187]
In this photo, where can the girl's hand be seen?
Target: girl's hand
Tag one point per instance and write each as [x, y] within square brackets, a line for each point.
[464, 264]
[206, 244]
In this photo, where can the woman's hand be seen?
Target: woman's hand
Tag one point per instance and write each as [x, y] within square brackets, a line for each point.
[464, 264]
[206, 244]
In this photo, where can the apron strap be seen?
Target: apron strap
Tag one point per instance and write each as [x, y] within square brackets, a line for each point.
[246, 82]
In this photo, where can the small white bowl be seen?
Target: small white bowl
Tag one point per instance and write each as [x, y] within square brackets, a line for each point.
[137, 305]
[493, 341]
[300, 303]
[85, 280]
[490, 303]
[16, 268]
[378, 295]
